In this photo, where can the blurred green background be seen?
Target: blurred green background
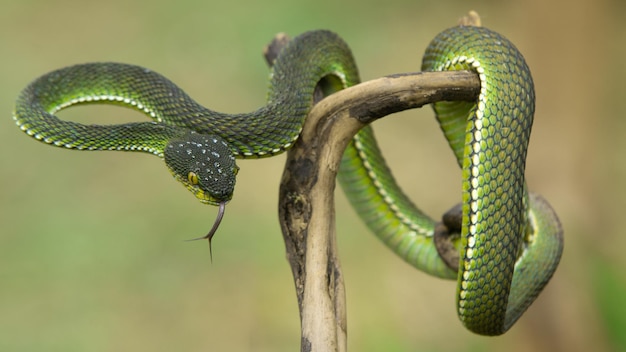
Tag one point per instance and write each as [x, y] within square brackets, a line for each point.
[92, 251]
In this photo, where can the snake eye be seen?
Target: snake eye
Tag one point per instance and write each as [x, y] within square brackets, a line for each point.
[192, 178]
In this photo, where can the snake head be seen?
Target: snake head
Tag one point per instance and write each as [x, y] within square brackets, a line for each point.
[203, 163]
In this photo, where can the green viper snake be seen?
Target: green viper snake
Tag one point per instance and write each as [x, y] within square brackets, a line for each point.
[509, 241]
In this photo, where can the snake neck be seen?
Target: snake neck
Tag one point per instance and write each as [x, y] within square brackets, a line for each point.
[300, 66]
[271, 129]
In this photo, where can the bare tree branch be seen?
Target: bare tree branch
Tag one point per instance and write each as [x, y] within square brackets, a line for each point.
[306, 199]
[306, 203]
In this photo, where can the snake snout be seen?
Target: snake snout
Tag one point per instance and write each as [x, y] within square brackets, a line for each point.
[204, 164]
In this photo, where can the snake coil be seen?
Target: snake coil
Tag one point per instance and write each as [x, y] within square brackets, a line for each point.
[509, 241]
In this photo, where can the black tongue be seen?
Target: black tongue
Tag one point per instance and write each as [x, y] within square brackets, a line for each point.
[216, 225]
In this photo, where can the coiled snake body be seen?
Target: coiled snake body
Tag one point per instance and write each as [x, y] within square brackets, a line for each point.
[510, 241]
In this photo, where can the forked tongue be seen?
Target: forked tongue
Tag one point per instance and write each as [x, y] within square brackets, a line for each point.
[209, 236]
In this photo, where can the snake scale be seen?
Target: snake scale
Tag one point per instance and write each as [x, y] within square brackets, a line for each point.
[509, 241]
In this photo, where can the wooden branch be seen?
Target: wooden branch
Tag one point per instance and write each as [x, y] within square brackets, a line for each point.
[306, 200]
[306, 203]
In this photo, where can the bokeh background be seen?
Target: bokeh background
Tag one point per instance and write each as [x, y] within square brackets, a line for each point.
[92, 251]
